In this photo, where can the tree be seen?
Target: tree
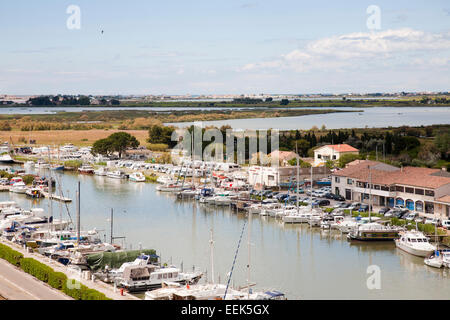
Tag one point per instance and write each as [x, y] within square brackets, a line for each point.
[442, 143]
[284, 102]
[161, 134]
[84, 101]
[347, 158]
[117, 142]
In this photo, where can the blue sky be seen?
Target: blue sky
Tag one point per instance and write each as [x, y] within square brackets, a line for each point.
[223, 47]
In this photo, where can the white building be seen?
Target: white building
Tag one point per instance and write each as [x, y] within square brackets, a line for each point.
[332, 152]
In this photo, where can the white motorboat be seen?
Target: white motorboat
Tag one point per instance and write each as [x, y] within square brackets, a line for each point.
[102, 171]
[42, 165]
[6, 158]
[18, 187]
[446, 258]
[137, 177]
[337, 222]
[171, 187]
[347, 225]
[315, 220]
[86, 169]
[267, 207]
[139, 278]
[165, 180]
[116, 174]
[435, 260]
[415, 243]
[280, 211]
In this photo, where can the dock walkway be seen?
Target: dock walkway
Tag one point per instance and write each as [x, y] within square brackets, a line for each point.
[108, 290]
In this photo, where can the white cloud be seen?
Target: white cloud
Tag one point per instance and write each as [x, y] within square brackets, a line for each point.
[344, 51]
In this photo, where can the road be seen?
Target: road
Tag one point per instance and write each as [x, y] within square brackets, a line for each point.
[18, 285]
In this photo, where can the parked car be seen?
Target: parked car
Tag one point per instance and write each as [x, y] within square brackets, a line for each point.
[384, 210]
[354, 206]
[435, 221]
[338, 197]
[324, 202]
[364, 208]
[282, 197]
[419, 220]
[446, 224]
[274, 194]
[404, 214]
[411, 216]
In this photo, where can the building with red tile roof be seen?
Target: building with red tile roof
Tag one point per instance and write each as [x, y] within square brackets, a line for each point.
[423, 190]
[332, 152]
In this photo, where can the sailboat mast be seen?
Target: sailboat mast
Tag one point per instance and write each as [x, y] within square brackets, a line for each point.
[370, 193]
[298, 173]
[78, 214]
[211, 242]
[310, 187]
[249, 248]
[49, 184]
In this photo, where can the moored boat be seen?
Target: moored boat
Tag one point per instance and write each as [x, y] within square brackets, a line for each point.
[415, 243]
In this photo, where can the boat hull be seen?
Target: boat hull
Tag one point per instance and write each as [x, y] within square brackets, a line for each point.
[414, 251]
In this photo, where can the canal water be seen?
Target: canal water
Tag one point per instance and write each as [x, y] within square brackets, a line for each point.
[375, 117]
[303, 263]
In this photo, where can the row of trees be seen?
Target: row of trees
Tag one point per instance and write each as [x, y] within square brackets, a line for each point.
[67, 100]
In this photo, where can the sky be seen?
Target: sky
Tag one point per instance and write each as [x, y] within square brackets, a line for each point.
[223, 47]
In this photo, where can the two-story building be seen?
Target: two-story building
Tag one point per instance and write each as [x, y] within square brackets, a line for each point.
[424, 190]
[332, 152]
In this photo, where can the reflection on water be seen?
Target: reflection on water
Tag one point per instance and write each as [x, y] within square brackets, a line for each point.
[301, 261]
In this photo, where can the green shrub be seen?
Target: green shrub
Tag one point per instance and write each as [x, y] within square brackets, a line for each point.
[73, 163]
[28, 179]
[10, 255]
[157, 146]
[36, 269]
[57, 280]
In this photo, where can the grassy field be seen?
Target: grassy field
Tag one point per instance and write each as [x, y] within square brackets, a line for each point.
[59, 137]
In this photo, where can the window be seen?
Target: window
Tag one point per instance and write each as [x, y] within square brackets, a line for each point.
[409, 190]
[336, 179]
[319, 156]
[385, 188]
[349, 181]
[159, 276]
[165, 276]
[429, 193]
[376, 187]
[334, 157]
[400, 189]
[419, 191]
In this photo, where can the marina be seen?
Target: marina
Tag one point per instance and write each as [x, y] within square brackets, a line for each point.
[148, 218]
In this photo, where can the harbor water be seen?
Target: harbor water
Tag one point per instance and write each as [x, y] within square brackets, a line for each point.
[302, 262]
